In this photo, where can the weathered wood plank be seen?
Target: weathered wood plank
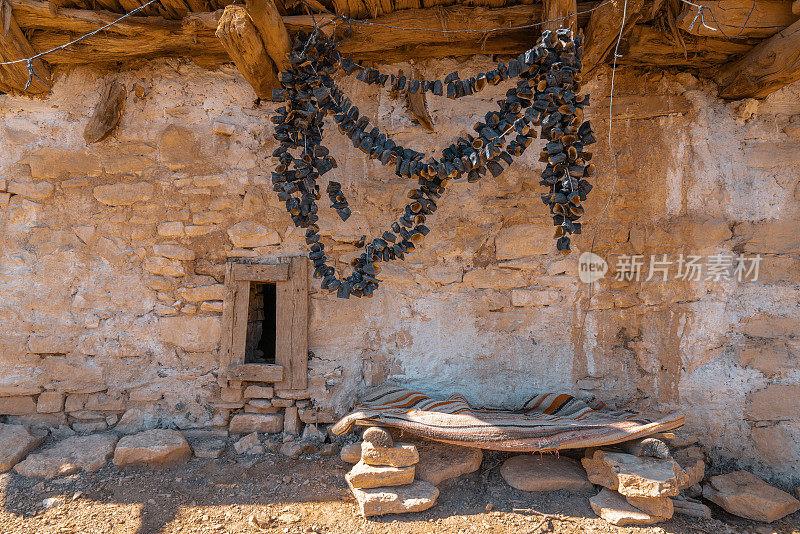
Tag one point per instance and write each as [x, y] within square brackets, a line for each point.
[106, 114]
[292, 325]
[273, 32]
[255, 372]
[241, 39]
[560, 9]
[228, 311]
[646, 46]
[13, 46]
[735, 19]
[261, 273]
[603, 30]
[770, 65]
[241, 308]
[298, 372]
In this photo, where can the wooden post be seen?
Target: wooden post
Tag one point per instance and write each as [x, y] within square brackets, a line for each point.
[242, 41]
[292, 325]
[273, 32]
[558, 9]
[737, 18]
[13, 46]
[770, 65]
[603, 29]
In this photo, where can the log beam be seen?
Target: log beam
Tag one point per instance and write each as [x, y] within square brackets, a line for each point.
[194, 37]
[241, 39]
[564, 10]
[269, 22]
[646, 46]
[737, 18]
[14, 46]
[770, 65]
[603, 30]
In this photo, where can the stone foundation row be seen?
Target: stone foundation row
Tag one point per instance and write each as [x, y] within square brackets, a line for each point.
[20, 448]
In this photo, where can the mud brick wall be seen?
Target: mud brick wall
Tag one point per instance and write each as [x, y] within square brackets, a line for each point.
[112, 262]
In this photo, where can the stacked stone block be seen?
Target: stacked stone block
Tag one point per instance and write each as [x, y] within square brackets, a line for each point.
[383, 480]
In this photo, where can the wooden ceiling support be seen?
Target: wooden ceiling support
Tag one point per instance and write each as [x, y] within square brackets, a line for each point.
[737, 18]
[242, 40]
[647, 46]
[603, 29]
[13, 46]
[563, 12]
[269, 22]
[770, 65]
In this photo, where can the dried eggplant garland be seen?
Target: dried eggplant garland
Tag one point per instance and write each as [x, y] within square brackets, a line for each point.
[545, 96]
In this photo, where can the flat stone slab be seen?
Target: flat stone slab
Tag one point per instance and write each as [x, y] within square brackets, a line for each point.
[245, 423]
[399, 455]
[653, 506]
[744, 494]
[414, 497]
[441, 461]
[87, 453]
[351, 453]
[208, 448]
[15, 442]
[692, 461]
[368, 476]
[159, 447]
[612, 507]
[534, 472]
[634, 476]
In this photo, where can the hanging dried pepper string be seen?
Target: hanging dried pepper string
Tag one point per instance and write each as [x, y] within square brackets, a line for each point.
[551, 103]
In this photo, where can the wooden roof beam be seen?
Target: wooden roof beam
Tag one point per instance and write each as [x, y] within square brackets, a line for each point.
[14, 46]
[738, 19]
[565, 10]
[242, 41]
[770, 65]
[603, 30]
[269, 22]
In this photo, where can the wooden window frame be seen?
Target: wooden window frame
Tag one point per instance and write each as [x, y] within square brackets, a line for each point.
[290, 370]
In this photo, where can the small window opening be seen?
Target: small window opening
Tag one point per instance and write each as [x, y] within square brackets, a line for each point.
[261, 324]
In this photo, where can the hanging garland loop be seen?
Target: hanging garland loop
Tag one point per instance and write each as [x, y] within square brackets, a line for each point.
[545, 96]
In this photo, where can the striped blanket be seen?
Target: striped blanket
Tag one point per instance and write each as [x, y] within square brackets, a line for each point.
[546, 422]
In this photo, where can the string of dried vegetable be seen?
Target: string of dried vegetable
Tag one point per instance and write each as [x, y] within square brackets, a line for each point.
[546, 95]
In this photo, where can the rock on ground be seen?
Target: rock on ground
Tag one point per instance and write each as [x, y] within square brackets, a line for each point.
[152, 447]
[693, 462]
[613, 507]
[654, 506]
[414, 497]
[380, 437]
[633, 475]
[441, 461]
[691, 508]
[351, 453]
[399, 455]
[15, 442]
[245, 423]
[367, 476]
[250, 444]
[533, 472]
[88, 453]
[208, 448]
[744, 494]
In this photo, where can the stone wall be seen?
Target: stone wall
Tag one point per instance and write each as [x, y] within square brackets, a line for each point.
[112, 259]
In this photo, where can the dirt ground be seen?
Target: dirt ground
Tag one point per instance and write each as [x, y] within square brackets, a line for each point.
[274, 494]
